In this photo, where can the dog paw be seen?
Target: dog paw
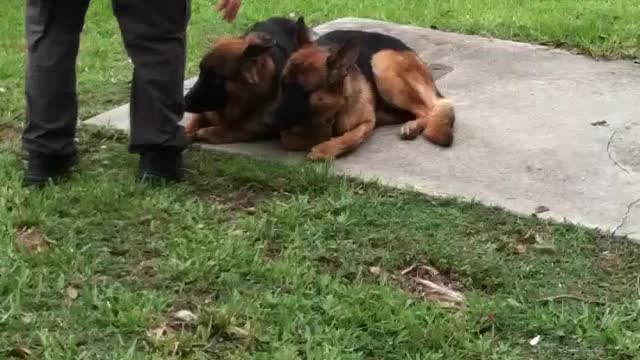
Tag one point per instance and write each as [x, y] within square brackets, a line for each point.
[410, 130]
[322, 152]
[211, 135]
[203, 135]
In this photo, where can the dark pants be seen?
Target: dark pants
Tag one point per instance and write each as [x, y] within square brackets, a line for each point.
[154, 34]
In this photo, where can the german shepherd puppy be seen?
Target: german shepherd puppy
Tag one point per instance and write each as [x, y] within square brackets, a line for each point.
[238, 84]
[340, 87]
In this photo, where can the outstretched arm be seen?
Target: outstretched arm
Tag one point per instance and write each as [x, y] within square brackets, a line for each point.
[229, 9]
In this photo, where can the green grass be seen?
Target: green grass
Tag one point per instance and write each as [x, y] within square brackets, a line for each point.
[285, 254]
[290, 262]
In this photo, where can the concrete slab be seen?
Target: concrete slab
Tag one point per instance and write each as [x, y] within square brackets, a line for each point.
[536, 127]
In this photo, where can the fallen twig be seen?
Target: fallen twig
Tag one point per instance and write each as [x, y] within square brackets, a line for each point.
[408, 270]
[430, 270]
[448, 294]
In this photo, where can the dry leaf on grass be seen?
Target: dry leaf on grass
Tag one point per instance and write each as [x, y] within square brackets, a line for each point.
[520, 249]
[72, 293]
[535, 341]
[427, 282]
[420, 269]
[238, 331]
[440, 293]
[408, 270]
[491, 317]
[34, 242]
[430, 270]
[160, 333]
[19, 353]
[185, 315]
[26, 318]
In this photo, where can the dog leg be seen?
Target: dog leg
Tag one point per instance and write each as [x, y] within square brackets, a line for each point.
[350, 140]
[295, 140]
[406, 82]
[195, 123]
[200, 121]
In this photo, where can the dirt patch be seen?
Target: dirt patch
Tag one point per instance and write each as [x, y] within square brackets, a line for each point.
[244, 199]
[9, 132]
[10, 136]
[429, 283]
[32, 241]
[529, 242]
[147, 269]
[176, 334]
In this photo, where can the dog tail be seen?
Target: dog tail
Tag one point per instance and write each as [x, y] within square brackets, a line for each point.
[440, 121]
[440, 115]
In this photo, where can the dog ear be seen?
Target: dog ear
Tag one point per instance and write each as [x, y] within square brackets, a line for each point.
[342, 59]
[302, 34]
[259, 44]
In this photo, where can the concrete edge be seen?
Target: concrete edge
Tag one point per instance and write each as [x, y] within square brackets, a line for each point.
[484, 38]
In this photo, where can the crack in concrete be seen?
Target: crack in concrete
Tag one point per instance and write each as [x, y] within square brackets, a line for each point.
[615, 162]
[625, 217]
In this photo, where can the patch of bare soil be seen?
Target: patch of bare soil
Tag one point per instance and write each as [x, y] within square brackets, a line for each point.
[430, 284]
[10, 136]
[32, 241]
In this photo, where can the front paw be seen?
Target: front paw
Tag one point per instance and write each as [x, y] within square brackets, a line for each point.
[322, 152]
[411, 129]
[209, 135]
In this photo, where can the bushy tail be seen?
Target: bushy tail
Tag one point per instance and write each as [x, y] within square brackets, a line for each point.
[440, 121]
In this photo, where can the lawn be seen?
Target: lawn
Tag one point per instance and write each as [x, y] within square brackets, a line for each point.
[251, 259]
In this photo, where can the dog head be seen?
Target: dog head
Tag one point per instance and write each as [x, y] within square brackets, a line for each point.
[313, 82]
[234, 68]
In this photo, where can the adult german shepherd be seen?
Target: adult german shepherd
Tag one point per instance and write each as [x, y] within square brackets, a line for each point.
[234, 96]
[336, 90]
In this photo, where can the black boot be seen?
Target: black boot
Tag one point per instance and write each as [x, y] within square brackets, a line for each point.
[158, 166]
[43, 168]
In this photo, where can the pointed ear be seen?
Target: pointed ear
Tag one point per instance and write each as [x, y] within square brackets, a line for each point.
[259, 44]
[302, 35]
[249, 72]
[342, 59]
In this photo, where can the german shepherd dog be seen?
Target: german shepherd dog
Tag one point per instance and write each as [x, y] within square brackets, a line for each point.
[238, 84]
[336, 90]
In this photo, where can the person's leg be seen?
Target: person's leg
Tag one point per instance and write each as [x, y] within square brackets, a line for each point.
[53, 30]
[154, 34]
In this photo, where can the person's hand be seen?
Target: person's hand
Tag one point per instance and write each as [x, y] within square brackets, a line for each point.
[229, 9]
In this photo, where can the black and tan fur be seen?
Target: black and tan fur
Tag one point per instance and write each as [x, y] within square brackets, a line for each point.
[336, 90]
[237, 87]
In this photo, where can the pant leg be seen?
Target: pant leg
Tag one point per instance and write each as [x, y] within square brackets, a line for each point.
[53, 30]
[154, 34]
